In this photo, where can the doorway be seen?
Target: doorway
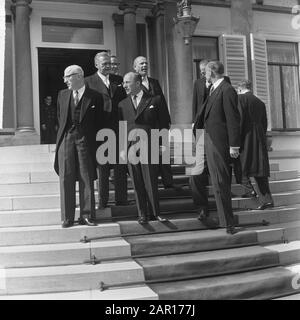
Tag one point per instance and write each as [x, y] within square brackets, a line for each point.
[52, 63]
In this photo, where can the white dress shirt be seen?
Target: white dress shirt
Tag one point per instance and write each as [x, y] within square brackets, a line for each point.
[104, 78]
[80, 92]
[138, 97]
[145, 82]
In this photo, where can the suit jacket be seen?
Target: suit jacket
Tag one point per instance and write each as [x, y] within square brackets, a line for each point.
[254, 153]
[146, 116]
[220, 117]
[111, 96]
[91, 119]
[200, 93]
[155, 90]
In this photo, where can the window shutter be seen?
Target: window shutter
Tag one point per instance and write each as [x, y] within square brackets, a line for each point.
[233, 53]
[259, 61]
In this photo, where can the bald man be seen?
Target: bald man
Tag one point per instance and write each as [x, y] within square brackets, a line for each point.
[80, 114]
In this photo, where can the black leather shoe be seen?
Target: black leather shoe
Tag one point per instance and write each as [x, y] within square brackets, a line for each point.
[251, 194]
[231, 230]
[67, 224]
[265, 206]
[142, 220]
[203, 214]
[87, 221]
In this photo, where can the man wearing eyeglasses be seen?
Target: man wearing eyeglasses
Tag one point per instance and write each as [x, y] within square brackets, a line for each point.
[110, 86]
[80, 115]
[114, 65]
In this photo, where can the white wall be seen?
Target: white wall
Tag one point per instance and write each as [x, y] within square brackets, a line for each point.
[2, 47]
[214, 21]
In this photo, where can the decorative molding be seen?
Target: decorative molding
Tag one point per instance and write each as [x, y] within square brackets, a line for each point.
[118, 19]
[128, 6]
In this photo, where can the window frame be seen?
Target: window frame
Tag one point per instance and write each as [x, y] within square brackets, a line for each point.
[281, 65]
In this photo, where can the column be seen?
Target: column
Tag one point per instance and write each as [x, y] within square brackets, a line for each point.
[152, 58]
[24, 95]
[159, 13]
[180, 70]
[242, 23]
[120, 44]
[130, 33]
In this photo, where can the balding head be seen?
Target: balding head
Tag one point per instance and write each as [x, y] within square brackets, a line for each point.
[214, 70]
[132, 83]
[74, 77]
[140, 65]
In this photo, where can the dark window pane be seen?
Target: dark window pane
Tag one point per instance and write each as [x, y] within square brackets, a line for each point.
[275, 97]
[205, 48]
[291, 96]
[282, 52]
[72, 31]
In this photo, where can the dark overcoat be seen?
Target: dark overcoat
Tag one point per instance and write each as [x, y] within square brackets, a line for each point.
[254, 153]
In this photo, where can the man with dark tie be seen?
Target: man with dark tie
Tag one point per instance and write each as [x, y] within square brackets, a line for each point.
[219, 117]
[254, 152]
[142, 111]
[110, 86]
[152, 87]
[80, 114]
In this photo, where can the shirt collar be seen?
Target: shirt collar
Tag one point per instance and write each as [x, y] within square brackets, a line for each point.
[138, 95]
[80, 91]
[103, 77]
[217, 83]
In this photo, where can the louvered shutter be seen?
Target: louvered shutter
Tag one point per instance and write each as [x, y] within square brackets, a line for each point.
[233, 54]
[259, 61]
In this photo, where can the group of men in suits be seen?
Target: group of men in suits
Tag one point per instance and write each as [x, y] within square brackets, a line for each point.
[99, 101]
[234, 132]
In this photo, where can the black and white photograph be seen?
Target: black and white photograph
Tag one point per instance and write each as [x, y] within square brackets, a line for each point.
[150, 150]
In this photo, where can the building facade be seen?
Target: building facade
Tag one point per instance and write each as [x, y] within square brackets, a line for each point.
[255, 39]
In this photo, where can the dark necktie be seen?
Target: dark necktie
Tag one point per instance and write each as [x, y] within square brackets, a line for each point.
[76, 97]
[211, 90]
[134, 101]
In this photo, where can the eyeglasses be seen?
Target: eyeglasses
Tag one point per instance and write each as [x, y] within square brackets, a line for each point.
[70, 75]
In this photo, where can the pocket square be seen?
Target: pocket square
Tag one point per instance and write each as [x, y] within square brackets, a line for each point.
[92, 107]
[152, 106]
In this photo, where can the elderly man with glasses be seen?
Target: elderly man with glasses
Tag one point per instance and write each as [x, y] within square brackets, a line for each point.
[80, 116]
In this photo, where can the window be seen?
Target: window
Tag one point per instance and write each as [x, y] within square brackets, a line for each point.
[283, 67]
[72, 31]
[204, 48]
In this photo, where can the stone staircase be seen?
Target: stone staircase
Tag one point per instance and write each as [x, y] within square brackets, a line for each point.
[120, 259]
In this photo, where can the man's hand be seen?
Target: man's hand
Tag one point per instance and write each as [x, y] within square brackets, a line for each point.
[44, 127]
[234, 152]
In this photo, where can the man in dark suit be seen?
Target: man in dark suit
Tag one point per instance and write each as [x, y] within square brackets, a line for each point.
[152, 87]
[219, 117]
[110, 86]
[254, 153]
[142, 111]
[80, 113]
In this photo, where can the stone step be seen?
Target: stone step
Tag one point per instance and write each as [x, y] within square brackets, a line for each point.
[52, 188]
[141, 292]
[44, 217]
[43, 172]
[289, 297]
[212, 263]
[68, 278]
[18, 236]
[62, 253]
[259, 284]
[175, 204]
